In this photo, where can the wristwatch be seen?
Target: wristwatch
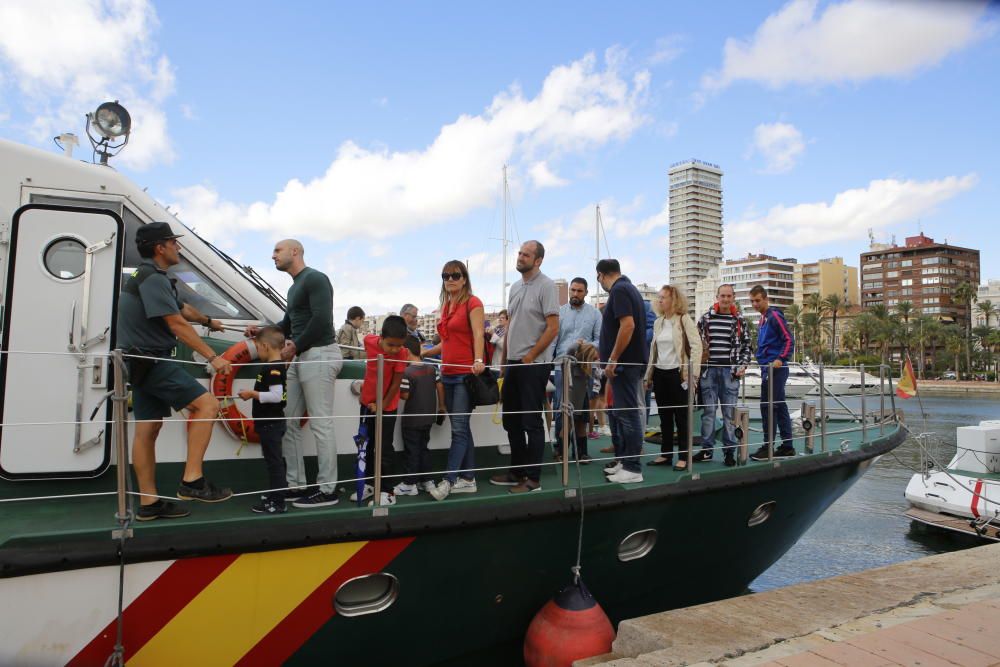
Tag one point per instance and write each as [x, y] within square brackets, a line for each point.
[208, 321]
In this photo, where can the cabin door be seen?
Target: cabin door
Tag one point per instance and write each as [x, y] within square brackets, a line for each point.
[63, 279]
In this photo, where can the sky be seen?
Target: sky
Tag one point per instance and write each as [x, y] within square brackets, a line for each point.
[377, 134]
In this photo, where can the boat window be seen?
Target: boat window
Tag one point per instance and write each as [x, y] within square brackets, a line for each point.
[65, 258]
[637, 545]
[193, 286]
[368, 594]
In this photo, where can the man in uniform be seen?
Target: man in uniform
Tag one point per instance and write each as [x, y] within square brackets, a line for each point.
[151, 319]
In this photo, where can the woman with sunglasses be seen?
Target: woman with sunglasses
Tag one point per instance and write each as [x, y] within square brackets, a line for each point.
[461, 348]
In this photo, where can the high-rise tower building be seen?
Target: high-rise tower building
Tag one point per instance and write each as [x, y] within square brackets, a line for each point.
[695, 223]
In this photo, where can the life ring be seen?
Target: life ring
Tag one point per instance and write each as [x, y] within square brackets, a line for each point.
[238, 424]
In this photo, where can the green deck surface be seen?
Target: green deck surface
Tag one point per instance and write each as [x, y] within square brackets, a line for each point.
[33, 521]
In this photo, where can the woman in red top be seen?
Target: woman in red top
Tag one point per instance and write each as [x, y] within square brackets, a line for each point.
[461, 347]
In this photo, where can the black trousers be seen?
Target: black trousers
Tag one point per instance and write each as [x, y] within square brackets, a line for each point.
[418, 457]
[271, 433]
[524, 391]
[669, 393]
[388, 453]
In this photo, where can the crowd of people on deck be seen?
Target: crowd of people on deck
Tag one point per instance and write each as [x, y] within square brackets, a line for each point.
[622, 353]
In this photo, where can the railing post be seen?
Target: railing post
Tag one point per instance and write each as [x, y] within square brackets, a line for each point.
[379, 407]
[690, 416]
[567, 424]
[119, 403]
[864, 413]
[822, 408]
[881, 399]
[771, 430]
[892, 392]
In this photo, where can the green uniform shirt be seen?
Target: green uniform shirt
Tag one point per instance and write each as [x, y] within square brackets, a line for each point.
[141, 326]
[309, 316]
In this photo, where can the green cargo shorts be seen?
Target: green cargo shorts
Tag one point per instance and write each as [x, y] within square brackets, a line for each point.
[165, 385]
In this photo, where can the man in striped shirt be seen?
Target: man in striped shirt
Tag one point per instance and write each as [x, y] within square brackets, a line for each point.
[724, 332]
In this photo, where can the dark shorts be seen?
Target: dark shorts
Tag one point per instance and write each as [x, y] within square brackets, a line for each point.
[167, 385]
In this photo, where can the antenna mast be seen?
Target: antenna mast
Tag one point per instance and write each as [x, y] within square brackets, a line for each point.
[503, 271]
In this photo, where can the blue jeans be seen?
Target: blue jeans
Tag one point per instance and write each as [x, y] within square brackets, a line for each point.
[557, 380]
[781, 415]
[628, 418]
[718, 386]
[462, 453]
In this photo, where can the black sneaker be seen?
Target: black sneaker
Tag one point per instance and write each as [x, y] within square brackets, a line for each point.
[160, 510]
[318, 499]
[702, 456]
[760, 454]
[208, 493]
[729, 461]
[269, 506]
[785, 452]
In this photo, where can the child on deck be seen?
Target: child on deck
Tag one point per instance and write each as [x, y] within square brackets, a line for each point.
[582, 374]
[268, 395]
[390, 346]
[424, 395]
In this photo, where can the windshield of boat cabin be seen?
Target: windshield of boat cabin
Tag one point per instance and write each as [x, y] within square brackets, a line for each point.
[193, 286]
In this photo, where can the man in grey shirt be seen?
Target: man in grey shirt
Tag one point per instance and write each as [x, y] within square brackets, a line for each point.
[534, 323]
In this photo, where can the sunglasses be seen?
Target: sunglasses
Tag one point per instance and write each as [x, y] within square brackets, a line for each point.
[454, 275]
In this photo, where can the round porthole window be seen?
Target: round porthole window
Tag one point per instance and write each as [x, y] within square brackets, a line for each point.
[65, 258]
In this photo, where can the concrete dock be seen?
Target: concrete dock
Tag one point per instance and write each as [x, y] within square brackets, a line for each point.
[940, 610]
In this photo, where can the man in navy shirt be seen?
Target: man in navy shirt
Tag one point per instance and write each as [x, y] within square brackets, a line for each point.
[774, 347]
[623, 348]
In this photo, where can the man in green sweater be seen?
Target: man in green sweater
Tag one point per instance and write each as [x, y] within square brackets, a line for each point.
[309, 337]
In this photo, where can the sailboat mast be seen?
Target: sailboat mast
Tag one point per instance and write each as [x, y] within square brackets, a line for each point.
[503, 261]
[597, 247]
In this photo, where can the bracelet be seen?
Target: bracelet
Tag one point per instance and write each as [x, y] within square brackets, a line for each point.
[212, 358]
[612, 361]
[478, 361]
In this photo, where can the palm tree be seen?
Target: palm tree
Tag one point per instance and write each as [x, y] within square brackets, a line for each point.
[813, 302]
[834, 305]
[982, 334]
[994, 342]
[864, 326]
[904, 309]
[953, 344]
[850, 340]
[927, 331]
[966, 295]
[792, 315]
[987, 310]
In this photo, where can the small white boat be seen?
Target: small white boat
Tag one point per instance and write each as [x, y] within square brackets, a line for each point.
[965, 496]
[795, 387]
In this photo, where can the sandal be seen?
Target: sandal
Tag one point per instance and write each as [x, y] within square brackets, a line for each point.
[681, 466]
[661, 461]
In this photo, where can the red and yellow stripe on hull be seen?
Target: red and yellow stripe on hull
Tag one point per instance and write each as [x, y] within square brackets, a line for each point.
[256, 608]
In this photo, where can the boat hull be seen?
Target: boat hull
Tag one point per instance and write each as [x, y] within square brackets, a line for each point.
[467, 580]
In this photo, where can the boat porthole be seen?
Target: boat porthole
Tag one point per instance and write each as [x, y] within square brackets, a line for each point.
[761, 514]
[367, 594]
[637, 545]
[65, 258]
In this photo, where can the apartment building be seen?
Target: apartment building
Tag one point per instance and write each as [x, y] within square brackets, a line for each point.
[776, 275]
[695, 223]
[827, 277]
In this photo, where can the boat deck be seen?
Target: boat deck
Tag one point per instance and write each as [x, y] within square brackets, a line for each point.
[33, 523]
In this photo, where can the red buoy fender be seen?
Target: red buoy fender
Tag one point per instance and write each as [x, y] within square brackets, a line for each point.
[238, 424]
[570, 627]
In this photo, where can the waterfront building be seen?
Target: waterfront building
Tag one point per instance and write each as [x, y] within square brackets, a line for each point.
[695, 206]
[777, 276]
[923, 272]
[988, 291]
[704, 291]
[827, 277]
[562, 290]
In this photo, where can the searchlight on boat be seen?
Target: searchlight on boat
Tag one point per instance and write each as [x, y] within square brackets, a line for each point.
[112, 122]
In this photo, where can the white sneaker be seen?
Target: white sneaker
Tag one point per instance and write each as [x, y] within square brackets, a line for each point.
[625, 477]
[604, 430]
[369, 492]
[464, 486]
[387, 499]
[613, 469]
[404, 489]
[442, 490]
[428, 486]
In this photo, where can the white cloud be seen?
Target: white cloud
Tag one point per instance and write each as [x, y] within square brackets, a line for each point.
[667, 49]
[65, 58]
[780, 144]
[882, 204]
[379, 193]
[543, 177]
[849, 41]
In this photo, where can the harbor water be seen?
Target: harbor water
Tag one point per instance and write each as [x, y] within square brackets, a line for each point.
[866, 528]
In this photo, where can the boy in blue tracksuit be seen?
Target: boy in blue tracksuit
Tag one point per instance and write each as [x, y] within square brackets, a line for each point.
[774, 348]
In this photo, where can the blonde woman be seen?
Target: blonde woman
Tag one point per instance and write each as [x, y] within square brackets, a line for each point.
[675, 340]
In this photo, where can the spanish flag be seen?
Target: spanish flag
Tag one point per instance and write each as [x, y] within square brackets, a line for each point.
[907, 387]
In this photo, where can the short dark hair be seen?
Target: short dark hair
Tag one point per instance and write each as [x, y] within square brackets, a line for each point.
[412, 344]
[580, 280]
[758, 290]
[147, 249]
[354, 312]
[272, 336]
[394, 327]
[609, 266]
